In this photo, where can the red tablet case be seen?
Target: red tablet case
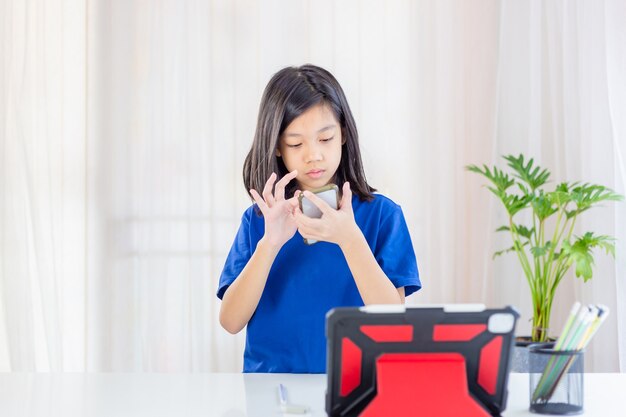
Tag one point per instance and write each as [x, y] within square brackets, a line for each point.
[436, 361]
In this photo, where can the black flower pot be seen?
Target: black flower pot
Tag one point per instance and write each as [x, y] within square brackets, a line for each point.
[519, 362]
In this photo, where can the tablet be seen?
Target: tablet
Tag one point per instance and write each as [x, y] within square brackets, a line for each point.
[427, 360]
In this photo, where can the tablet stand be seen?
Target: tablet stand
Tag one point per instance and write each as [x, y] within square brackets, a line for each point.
[424, 385]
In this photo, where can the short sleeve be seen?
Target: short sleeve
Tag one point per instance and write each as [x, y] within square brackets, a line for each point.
[239, 255]
[394, 252]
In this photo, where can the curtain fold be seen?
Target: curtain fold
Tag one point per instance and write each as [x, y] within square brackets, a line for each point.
[42, 183]
[615, 38]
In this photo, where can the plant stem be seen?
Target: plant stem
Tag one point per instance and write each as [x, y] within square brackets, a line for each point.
[521, 254]
[554, 245]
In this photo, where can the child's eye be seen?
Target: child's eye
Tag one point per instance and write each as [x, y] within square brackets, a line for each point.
[327, 139]
[297, 145]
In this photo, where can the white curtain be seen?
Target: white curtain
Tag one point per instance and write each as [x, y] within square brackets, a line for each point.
[124, 125]
[43, 241]
[554, 102]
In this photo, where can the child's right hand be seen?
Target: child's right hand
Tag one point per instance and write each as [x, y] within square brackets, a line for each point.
[280, 225]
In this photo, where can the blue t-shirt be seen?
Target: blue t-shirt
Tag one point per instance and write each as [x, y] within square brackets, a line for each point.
[286, 331]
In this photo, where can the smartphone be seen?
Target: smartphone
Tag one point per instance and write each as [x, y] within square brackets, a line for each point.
[329, 193]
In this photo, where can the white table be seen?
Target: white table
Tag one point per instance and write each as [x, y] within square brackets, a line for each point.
[223, 395]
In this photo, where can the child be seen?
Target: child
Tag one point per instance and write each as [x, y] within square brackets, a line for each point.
[272, 282]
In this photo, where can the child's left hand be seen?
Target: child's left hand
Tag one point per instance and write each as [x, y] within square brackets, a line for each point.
[335, 226]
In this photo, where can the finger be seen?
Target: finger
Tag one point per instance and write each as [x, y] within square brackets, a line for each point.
[307, 235]
[346, 198]
[318, 202]
[279, 190]
[294, 200]
[298, 216]
[304, 220]
[308, 232]
[267, 190]
[259, 201]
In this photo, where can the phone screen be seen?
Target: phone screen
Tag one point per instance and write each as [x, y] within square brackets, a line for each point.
[329, 193]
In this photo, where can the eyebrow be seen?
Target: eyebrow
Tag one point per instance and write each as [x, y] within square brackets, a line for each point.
[319, 131]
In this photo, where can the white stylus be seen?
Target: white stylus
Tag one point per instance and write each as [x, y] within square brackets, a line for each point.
[285, 407]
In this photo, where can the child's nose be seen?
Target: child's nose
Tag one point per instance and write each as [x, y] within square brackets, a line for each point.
[314, 154]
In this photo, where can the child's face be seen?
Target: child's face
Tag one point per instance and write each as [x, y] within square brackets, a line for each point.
[312, 145]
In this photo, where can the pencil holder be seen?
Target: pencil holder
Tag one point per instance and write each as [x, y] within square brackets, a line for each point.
[556, 380]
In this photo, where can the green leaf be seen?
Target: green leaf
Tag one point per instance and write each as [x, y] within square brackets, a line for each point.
[539, 251]
[524, 231]
[498, 178]
[515, 203]
[503, 229]
[519, 247]
[523, 188]
[511, 249]
[564, 187]
[580, 252]
[543, 207]
[535, 177]
[502, 252]
[559, 197]
[500, 183]
[601, 241]
[588, 195]
[584, 267]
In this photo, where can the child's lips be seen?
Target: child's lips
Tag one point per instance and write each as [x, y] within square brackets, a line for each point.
[315, 173]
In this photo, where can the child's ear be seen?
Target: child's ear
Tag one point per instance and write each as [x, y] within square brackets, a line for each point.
[278, 153]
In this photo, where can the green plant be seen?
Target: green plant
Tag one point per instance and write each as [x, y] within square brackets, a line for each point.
[546, 250]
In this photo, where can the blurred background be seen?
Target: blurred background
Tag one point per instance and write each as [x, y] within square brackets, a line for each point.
[124, 125]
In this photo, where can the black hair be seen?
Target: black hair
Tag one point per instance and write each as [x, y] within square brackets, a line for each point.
[289, 93]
